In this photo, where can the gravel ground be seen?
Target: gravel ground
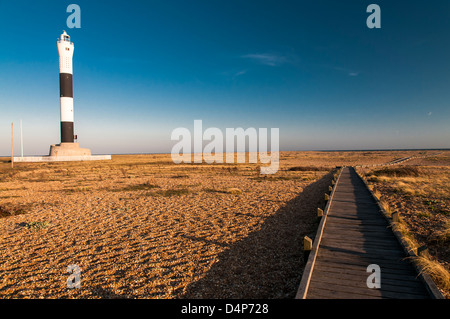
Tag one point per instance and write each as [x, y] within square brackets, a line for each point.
[143, 227]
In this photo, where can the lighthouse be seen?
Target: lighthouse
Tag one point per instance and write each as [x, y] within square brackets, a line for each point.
[65, 51]
[67, 150]
[67, 147]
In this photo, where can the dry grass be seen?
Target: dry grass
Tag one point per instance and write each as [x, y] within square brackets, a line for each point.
[441, 236]
[307, 168]
[401, 171]
[436, 270]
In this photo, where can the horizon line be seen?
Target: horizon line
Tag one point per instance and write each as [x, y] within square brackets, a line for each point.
[324, 150]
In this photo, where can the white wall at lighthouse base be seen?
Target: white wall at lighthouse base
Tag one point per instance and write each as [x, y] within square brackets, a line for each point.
[34, 159]
[64, 152]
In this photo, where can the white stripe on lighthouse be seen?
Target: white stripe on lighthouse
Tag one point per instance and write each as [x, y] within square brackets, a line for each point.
[66, 109]
[65, 64]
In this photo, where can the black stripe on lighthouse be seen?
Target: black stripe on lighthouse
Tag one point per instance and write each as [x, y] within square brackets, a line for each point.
[66, 92]
[65, 85]
[67, 132]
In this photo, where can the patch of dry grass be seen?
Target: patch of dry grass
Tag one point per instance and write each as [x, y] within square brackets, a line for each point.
[442, 236]
[436, 270]
[402, 171]
[308, 168]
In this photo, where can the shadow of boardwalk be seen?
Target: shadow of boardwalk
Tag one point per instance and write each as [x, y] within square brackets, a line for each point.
[269, 262]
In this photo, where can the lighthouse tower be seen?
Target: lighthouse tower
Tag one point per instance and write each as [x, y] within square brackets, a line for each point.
[65, 51]
[67, 146]
[67, 150]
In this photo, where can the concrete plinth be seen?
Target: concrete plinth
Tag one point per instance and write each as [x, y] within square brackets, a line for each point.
[37, 159]
[68, 149]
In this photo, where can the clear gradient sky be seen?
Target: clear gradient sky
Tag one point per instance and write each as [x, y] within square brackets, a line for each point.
[310, 68]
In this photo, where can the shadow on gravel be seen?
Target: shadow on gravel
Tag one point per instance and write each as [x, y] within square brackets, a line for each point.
[268, 263]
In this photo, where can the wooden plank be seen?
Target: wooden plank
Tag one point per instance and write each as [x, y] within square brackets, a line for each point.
[374, 237]
[343, 289]
[355, 251]
[359, 244]
[354, 191]
[366, 261]
[330, 294]
[360, 285]
[358, 235]
[358, 222]
[360, 231]
[369, 237]
[359, 228]
[386, 273]
[358, 213]
[359, 279]
[387, 246]
[350, 248]
[348, 221]
[346, 200]
[355, 210]
[340, 289]
[351, 201]
[345, 197]
[364, 226]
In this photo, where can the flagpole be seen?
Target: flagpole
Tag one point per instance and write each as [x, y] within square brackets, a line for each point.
[21, 139]
[12, 145]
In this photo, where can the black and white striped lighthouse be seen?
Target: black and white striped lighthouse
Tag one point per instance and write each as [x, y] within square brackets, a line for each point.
[65, 51]
[68, 150]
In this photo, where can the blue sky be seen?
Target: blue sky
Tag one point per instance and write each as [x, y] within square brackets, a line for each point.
[310, 68]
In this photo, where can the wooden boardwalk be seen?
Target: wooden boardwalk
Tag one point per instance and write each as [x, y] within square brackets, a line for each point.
[354, 236]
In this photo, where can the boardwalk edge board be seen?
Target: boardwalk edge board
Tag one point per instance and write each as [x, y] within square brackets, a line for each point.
[307, 273]
[426, 279]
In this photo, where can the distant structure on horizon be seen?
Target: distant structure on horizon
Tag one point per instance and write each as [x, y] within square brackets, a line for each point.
[67, 150]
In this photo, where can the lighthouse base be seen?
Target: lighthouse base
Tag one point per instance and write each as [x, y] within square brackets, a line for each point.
[68, 149]
[65, 152]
